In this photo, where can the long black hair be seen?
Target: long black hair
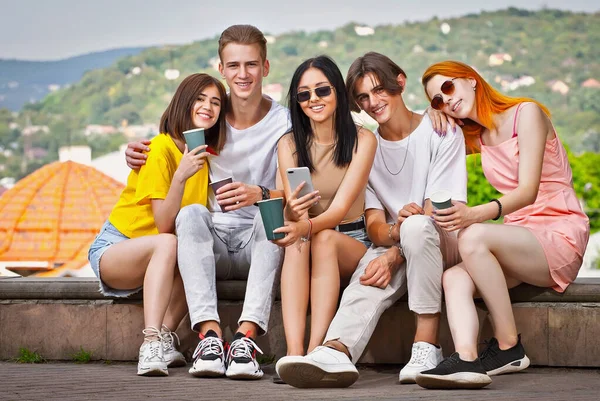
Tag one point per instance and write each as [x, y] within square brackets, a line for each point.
[346, 134]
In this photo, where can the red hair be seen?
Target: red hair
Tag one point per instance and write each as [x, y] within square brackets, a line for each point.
[488, 100]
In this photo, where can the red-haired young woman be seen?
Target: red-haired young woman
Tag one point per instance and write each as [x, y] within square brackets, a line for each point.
[544, 235]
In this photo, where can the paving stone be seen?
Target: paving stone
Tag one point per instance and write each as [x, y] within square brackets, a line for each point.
[118, 381]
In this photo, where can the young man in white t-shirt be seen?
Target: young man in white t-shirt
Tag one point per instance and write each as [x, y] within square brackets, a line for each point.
[227, 240]
[410, 251]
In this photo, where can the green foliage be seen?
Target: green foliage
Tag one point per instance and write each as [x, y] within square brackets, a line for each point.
[546, 44]
[266, 359]
[27, 356]
[479, 190]
[586, 181]
[82, 356]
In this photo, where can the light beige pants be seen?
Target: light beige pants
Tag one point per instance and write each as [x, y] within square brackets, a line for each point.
[428, 250]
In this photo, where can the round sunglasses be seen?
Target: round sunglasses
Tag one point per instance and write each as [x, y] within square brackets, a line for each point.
[321, 91]
[447, 88]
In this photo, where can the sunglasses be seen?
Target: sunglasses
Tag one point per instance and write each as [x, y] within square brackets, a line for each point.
[447, 88]
[321, 91]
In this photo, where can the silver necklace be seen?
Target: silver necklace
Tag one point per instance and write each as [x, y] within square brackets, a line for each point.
[407, 147]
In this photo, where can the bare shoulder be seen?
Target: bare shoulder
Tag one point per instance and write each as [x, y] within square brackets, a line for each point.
[287, 141]
[365, 135]
[532, 116]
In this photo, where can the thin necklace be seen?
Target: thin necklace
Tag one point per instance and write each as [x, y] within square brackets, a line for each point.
[407, 147]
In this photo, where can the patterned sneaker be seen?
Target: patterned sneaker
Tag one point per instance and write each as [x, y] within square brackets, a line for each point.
[424, 356]
[241, 358]
[209, 359]
[151, 361]
[173, 357]
[324, 367]
[453, 372]
[496, 361]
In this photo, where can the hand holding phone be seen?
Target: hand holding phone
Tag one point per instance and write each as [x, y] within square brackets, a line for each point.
[303, 195]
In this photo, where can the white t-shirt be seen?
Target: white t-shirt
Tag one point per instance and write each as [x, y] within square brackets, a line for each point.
[432, 163]
[249, 156]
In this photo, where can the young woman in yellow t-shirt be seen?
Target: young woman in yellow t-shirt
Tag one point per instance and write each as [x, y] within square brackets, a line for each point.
[136, 248]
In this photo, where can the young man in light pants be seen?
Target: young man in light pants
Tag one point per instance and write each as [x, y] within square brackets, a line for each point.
[227, 240]
[410, 251]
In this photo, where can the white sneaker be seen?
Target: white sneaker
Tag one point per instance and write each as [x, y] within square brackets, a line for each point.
[424, 356]
[323, 367]
[209, 359]
[241, 359]
[173, 357]
[151, 361]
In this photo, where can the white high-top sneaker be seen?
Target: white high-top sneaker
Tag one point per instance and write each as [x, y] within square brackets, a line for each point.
[424, 356]
[151, 361]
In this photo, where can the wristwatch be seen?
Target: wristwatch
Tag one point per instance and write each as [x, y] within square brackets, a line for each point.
[266, 193]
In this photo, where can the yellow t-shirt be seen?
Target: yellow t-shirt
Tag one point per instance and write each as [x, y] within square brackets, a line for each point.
[132, 215]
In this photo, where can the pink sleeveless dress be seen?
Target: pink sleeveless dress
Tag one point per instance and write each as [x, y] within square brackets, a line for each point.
[555, 218]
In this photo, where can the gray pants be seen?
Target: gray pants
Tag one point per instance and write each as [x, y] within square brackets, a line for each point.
[208, 252]
[428, 250]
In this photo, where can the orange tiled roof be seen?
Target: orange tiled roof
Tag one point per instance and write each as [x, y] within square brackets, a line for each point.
[55, 212]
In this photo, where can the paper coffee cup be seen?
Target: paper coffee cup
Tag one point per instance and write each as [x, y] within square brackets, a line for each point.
[271, 211]
[441, 199]
[218, 184]
[194, 138]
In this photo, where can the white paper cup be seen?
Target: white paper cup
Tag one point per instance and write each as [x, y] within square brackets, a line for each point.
[441, 199]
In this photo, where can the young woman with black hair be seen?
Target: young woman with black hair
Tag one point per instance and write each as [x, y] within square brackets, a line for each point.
[325, 229]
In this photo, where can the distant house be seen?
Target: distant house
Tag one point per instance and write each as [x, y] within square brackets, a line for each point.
[32, 129]
[498, 59]
[49, 234]
[591, 83]
[36, 153]
[417, 49]
[270, 39]
[214, 62]
[140, 131]
[508, 83]
[113, 165]
[364, 30]
[323, 44]
[94, 129]
[558, 86]
[275, 91]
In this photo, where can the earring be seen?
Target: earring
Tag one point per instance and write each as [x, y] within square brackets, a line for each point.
[473, 89]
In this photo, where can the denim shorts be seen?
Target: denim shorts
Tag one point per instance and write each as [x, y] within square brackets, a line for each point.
[107, 237]
[360, 234]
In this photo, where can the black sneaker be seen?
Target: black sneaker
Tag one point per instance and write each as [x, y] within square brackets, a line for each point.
[241, 358]
[453, 372]
[209, 359]
[496, 361]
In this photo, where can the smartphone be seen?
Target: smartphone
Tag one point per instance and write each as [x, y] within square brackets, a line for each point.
[296, 175]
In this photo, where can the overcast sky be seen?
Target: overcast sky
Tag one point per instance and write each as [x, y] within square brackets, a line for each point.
[55, 29]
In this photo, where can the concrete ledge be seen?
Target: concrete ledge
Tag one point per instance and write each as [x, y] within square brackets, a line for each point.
[582, 290]
[56, 317]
